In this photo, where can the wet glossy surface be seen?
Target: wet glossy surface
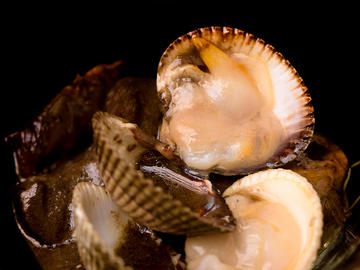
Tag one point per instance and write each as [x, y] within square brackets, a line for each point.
[195, 192]
[49, 50]
[42, 203]
[63, 126]
[138, 249]
[229, 97]
[43, 209]
[325, 166]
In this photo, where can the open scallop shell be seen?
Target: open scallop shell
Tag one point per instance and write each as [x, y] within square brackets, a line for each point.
[96, 229]
[270, 205]
[290, 98]
[107, 237]
[118, 151]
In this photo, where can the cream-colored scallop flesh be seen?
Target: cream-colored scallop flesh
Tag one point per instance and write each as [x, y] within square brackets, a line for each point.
[279, 226]
[224, 118]
[232, 104]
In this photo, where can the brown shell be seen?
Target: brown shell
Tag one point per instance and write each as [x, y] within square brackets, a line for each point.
[118, 152]
[299, 120]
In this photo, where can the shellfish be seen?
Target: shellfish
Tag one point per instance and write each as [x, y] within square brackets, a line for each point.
[232, 104]
[279, 226]
[163, 186]
[238, 85]
[107, 238]
[119, 148]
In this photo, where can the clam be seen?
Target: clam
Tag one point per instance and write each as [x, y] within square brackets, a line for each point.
[279, 226]
[109, 239]
[119, 147]
[232, 104]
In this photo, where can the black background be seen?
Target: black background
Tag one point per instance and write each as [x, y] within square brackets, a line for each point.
[46, 47]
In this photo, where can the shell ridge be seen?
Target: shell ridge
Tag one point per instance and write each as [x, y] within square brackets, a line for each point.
[90, 245]
[131, 190]
[292, 97]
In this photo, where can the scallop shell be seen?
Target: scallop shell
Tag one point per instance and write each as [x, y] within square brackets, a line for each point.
[118, 152]
[266, 189]
[292, 102]
[95, 229]
[107, 237]
[295, 192]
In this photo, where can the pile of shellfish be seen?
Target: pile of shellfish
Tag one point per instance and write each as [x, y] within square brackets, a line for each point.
[224, 165]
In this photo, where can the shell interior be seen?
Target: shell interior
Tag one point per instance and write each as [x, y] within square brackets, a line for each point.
[98, 227]
[279, 226]
[109, 239]
[118, 152]
[220, 78]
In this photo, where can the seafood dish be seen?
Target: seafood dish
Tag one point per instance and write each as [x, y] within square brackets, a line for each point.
[213, 164]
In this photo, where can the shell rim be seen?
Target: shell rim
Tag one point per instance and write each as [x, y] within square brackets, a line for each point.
[260, 177]
[100, 138]
[295, 145]
[87, 229]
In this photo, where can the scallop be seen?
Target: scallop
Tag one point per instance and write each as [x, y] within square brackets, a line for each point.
[279, 226]
[107, 238]
[232, 104]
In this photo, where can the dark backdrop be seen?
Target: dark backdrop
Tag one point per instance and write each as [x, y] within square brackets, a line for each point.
[47, 46]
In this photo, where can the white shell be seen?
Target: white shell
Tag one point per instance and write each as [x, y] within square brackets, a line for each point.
[278, 186]
[97, 228]
[107, 237]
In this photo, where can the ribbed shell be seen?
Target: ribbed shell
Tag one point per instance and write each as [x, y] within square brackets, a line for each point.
[94, 252]
[292, 100]
[136, 195]
[307, 211]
